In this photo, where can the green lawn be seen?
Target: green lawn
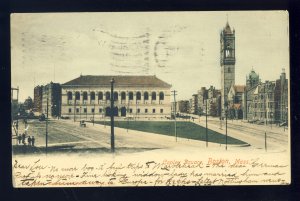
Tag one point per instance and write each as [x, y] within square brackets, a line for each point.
[184, 130]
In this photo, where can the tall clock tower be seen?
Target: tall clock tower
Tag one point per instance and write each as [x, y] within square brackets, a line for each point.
[227, 61]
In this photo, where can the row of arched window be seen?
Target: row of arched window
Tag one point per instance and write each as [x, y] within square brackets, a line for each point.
[116, 95]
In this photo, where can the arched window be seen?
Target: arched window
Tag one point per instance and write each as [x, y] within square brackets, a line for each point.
[138, 95]
[84, 94]
[161, 96]
[153, 95]
[146, 96]
[77, 95]
[130, 95]
[92, 95]
[116, 96]
[100, 96]
[69, 94]
[123, 95]
[107, 95]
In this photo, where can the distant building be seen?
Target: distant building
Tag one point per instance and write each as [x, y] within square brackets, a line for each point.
[51, 96]
[252, 81]
[267, 102]
[212, 102]
[194, 104]
[183, 106]
[38, 99]
[134, 96]
[202, 96]
[235, 101]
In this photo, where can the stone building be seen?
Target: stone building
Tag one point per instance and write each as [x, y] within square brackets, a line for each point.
[266, 101]
[134, 96]
[37, 99]
[194, 104]
[212, 102]
[202, 96]
[227, 61]
[51, 93]
[252, 81]
[183, 106]
[235, 101]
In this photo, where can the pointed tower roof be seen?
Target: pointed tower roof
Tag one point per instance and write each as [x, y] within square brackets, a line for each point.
[227, 29]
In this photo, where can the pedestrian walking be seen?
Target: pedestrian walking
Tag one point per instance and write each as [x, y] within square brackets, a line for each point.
[19, 139]
[29, 141]
[23, 139]
[32, 141]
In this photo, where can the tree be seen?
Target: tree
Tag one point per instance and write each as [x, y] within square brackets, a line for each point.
[28, 103]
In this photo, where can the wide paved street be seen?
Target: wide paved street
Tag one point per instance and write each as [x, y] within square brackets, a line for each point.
[66, 135]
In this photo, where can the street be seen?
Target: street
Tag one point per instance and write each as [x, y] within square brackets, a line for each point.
[68, 136]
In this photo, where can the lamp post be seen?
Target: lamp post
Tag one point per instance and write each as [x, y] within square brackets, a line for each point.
[112, 116]
[80, 113]
[226, 113]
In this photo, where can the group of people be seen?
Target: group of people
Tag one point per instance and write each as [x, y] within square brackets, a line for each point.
[22, 139]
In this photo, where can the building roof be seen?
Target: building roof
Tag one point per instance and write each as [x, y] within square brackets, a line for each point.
[227, 29]
[239, 88]
[120, 80]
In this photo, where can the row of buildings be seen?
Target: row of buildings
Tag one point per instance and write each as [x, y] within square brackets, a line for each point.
[253, 101]
[89, 96]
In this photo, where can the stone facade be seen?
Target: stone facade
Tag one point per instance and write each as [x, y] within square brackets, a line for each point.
[266, 102]
[134, 96]
[37, 99]
[51, 93]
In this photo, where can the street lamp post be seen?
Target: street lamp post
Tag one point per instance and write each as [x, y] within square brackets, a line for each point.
[112, 116]
[80, 113]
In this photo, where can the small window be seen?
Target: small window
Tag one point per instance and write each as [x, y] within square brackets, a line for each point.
[77, 110]
[84, 110]
[100, 110]
[70, 110]
[153, 110]
[93, 110]
[146, 110]
[130, 110]
[161, 110]
[138, 110]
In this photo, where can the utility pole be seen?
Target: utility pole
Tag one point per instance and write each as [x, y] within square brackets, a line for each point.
[47, 111]
[174, 94]
[265, 108]
[206, 135]
[112, 140]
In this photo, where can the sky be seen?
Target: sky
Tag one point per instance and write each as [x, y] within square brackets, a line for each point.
[181, 48]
